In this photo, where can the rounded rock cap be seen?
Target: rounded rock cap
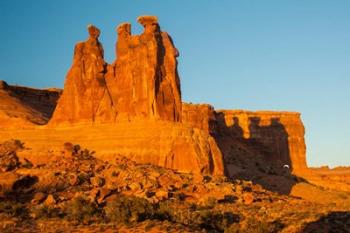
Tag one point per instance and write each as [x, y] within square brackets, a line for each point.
[147, 19]
[123, 26]
[93, 30]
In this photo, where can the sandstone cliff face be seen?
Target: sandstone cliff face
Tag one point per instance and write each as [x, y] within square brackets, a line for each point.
[252, 140]
[201, 116]
[279, 136]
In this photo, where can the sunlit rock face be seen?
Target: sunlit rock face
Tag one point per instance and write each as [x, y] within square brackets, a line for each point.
[133, 107]
[144, 81]
[138, 97]
[85, 96]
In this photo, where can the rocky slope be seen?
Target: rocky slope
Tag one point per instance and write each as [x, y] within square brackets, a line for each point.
[75, 191]
[21, 107]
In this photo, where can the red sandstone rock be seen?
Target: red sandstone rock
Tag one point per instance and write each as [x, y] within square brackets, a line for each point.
[201, 116]
[23, 107]
[277, 136]
[143, 81]
[85, 96]
[274, 138]
[142, 86]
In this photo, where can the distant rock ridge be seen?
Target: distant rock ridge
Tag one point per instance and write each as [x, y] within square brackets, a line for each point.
[21, 107]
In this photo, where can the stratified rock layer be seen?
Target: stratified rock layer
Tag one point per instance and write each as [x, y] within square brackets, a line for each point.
[272, 139]
[22, 107]
[278, 136]
[139, 96]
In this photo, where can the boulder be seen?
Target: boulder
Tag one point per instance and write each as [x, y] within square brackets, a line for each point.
[97, 181]
[38, 198]
[50, 200]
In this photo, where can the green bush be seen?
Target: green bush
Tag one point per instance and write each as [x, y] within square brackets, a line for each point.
[263, 226]
[128, 210]
[13, 209]
[44, 211]
[192, 216]
[81, 209]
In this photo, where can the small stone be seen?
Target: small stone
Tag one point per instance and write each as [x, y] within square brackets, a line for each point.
[38, 198]
[248, 198]
[93, 194]
[162, 195]
[134, 186]
[73, 179]
[50, 200]
[97, 181]
[104, 192]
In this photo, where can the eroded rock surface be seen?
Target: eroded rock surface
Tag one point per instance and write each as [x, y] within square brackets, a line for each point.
[22, 107]
[143, 81]
[85, 96]
[138, 100]
[273, 140]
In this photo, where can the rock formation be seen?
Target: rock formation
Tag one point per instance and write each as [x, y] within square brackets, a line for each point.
[85, 96]
[133, 107]
[143, 81]
[277, 136]
[274, 138]
[22, 107]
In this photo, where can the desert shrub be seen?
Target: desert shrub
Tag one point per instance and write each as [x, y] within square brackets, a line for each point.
[233, 228]
[128, 209]
[263, 226]
[8, 157]
[81, 209]
[215, 220]
[13, 209]
[11, 146]
[196, 217]
[44, 211]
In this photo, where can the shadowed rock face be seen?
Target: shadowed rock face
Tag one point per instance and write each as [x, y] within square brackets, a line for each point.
[272, 139]
[23, 106]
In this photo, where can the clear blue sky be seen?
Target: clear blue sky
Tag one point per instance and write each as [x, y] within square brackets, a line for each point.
[234, 54]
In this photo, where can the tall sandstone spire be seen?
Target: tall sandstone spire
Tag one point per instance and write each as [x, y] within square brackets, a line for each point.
[85, 97]
[142, 83]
